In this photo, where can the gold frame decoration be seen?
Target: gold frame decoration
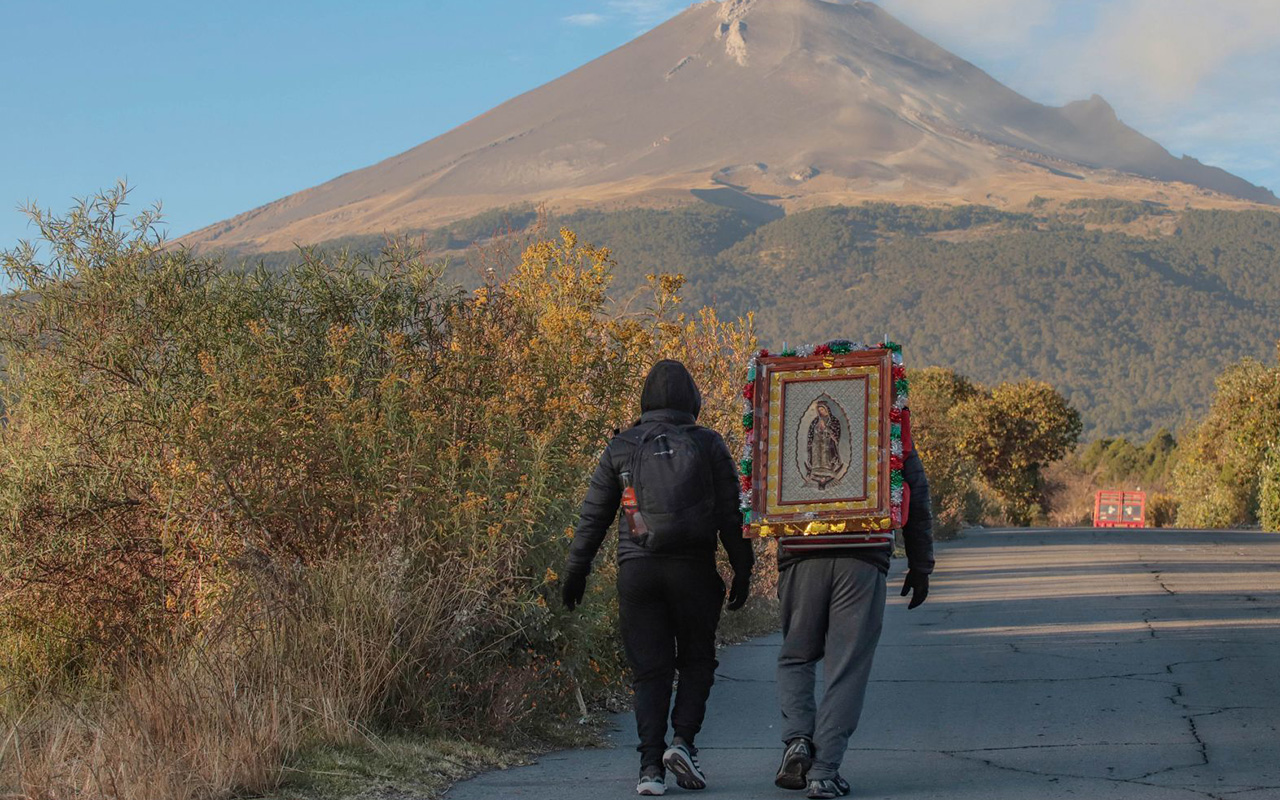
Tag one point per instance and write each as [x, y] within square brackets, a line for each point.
[824, 450]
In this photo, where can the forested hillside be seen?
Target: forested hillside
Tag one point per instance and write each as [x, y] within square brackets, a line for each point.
[1130, 309]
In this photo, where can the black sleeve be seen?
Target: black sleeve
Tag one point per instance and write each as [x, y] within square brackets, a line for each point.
[918, 531]
[599, 509]
[724, 474]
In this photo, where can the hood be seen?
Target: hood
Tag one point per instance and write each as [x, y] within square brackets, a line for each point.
[670, 386]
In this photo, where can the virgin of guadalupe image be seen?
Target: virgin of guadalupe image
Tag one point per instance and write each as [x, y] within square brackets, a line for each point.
[823, 463]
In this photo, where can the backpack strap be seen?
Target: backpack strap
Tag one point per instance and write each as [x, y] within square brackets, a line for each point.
[635, 437]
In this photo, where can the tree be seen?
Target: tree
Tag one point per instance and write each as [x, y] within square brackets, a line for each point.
[1011, 434]
[953, 479]
[1220, 470]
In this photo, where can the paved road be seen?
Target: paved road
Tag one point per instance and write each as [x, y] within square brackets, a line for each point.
[1046, 664]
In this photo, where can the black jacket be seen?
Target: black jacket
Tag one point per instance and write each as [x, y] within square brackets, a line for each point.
[670, 396]
[917, 533]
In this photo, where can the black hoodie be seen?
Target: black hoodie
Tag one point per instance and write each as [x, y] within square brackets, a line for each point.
[670, 396]
[670, 386]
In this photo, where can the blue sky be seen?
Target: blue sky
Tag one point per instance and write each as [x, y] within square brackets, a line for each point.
[215, 108]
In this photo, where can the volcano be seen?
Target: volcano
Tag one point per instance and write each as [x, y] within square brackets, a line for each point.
[771, 105]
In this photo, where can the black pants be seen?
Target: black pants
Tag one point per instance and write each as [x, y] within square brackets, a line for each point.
[669, 610]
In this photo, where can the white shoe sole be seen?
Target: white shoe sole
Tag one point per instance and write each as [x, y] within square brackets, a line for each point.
[651, 789]
[688, 776]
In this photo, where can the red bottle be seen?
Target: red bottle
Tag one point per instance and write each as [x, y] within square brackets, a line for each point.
[630, 507]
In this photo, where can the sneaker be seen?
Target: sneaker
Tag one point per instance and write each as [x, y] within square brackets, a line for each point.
[652, 783]
[796, 761]
[828, 788]
[682, 760]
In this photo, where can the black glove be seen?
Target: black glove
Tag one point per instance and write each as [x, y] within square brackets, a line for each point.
[573, 588]
[740, 590]
[918, 584]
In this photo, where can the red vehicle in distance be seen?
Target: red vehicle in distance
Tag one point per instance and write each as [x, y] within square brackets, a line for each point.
[1115, 509]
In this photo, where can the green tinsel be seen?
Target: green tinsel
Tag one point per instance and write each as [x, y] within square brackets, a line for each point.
[894, 346]
[745, 466]
[746, 517]
[901, 386]
[751, 373]
[789, 352]
[895, 479]
[841, 348]
[895, 431]
[748, 420]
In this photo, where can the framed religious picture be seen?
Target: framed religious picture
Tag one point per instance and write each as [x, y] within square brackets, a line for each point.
[824, 443]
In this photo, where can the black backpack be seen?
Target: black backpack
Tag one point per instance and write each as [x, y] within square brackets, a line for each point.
[671, 475]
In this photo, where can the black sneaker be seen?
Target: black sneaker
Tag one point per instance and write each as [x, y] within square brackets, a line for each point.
[682, 760]
[828, 788]
[652, 783]
[796, 761]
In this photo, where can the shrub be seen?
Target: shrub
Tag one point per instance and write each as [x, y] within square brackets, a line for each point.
[953, 478]
[1220, 465]
[1269, 491]
[1162, 510]
[249, 511]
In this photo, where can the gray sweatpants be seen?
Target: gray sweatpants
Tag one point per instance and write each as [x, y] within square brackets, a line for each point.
[832, 611]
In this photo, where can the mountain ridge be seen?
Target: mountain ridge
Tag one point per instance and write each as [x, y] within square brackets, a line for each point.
[789, 103]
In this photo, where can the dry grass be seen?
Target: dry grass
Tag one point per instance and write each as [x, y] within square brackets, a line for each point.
[1070, 493]
[231, 707]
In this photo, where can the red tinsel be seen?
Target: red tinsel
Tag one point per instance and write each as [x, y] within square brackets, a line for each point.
[749, 391]
[763, 353]
[822, 350]
[899, 373]
[746, 483]
[895, 416]
[895, 462]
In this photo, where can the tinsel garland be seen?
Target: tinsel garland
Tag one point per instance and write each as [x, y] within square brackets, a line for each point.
[901, 390]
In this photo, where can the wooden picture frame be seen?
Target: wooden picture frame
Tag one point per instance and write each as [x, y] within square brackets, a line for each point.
[820, 443]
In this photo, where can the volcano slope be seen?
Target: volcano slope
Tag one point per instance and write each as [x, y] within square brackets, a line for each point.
[781, 104]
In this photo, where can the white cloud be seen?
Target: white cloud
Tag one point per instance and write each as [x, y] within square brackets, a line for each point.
[984, 25]
[585, 20]
[1162, 51]
[647, 13]
[1167, 50]
[1199, 77]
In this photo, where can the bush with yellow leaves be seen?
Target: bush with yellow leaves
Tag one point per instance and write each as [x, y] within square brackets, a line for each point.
[248, 511]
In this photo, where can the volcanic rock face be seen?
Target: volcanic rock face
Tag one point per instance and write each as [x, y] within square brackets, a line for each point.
[733, 29]
[795, 102]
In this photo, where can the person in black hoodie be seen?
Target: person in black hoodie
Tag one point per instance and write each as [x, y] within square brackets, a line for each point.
[669, 593]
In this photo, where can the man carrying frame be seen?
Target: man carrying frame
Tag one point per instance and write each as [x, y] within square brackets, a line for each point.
[835, 472]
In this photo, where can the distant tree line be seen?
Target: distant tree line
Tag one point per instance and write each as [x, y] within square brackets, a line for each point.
[1132, 327]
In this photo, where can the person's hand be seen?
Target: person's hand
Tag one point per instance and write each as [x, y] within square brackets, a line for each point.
[740, 590]
[573, 588]
[917, 583]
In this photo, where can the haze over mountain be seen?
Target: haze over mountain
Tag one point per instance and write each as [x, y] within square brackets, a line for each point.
[785, 103]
